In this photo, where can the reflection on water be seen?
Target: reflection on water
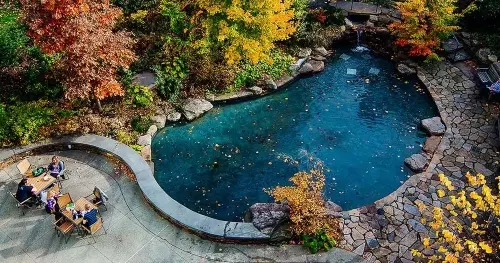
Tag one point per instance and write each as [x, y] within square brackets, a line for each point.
[361, 126]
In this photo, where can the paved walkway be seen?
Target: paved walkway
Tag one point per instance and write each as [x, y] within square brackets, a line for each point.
[135, 233]
[389, 229]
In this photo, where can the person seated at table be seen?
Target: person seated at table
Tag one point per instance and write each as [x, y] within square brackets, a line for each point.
[56, 167]
[25, 191]
[52, 207]
[89, 216]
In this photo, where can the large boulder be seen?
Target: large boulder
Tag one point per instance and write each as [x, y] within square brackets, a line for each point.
[174, 116]
[159, 121]
[417, 162]
[269, 84]
[266, 216]
[144, 140]
[483, 54]
[320, 51]
[434, 126]
[256, 90]
[306, 68]
[147, 79]
[405, 69]
[431, 144]
[304, 52]
[298, 64]
[317, 66]
[194, 108]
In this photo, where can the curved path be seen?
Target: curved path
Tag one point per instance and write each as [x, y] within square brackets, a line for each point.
[135, 232]
[387, 230]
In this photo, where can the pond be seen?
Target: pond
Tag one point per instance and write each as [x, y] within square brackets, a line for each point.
[357, 116]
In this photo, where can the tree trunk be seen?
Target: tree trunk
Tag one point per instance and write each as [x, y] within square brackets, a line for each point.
[99, 107]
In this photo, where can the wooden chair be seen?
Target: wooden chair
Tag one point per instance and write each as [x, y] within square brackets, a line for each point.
[24, 167]
[96, 198]
[24, 204]
[64, 227]
[64, 200]
[95, 227]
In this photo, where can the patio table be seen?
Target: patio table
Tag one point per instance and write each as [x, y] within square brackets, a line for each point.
[41, 184]
[79, 206]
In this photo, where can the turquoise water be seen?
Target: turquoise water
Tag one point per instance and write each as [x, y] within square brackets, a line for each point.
[361, 126]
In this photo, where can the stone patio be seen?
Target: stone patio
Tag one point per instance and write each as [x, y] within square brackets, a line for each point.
[387, 230]
[135, 233]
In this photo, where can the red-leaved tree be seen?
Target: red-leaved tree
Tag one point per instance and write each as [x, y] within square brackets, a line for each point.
[82, 31]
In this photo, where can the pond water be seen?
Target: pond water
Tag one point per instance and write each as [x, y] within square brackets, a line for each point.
[357, 117]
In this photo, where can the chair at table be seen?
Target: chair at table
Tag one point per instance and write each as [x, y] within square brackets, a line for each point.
[95, 227]
[64, 200]
[98, 198]
[64, 227]
[24, 204]
[24, 167]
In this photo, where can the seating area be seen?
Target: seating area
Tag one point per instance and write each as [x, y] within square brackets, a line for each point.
[490, 78]
[40, 188]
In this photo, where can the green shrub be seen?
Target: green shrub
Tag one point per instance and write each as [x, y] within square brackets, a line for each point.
[3, 123]
[169, 78]
[141, 124]
[22, 121]
[13, 39]
[140, 95]
[250, 73]
[132, 6]
[317, 242]
[125, 137]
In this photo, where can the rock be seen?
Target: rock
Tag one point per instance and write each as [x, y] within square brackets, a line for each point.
[321, 51]
[159, 121]
[146, 153]
[348, 23]
[372, 243]
[373, 18]
[306, 68]
[256, 90]
[174, 116]
[431, 144]
[411, 209]
[465, 35]
[152, 130]
[332, 209]
[433, 126]
[144, 140]
[147, 79]
[416, 162]
[304, 52]
[492, 58]
[268, 215]
[317, 66]
[417, 226]
[405, 69]
[370, 24]
[385, 19]
[482, 54]
[298, 64]
[318, 58]
[452, 45]
[270, 84]
[281, 233]
[194, 108]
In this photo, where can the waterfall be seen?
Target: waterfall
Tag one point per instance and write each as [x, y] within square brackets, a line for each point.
[359, 47]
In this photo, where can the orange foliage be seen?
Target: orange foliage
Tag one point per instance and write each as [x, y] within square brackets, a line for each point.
[424, 23]
[307, 205]
[82, 31]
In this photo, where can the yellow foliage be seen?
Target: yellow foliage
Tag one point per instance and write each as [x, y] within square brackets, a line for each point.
[246, 28]
[307, 205]
[469, 242]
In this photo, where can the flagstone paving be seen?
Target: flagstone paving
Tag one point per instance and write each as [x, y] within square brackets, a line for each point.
[135, 232]
[387, 230]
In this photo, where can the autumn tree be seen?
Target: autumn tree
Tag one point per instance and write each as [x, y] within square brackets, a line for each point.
[307, 204]
[424, 23]
[467, 228]
[82, 32]
[245, 29]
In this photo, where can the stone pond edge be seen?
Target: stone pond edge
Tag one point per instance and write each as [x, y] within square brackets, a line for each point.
[178, 214]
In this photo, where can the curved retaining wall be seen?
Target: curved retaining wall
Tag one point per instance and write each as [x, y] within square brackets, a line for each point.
[159, 199]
